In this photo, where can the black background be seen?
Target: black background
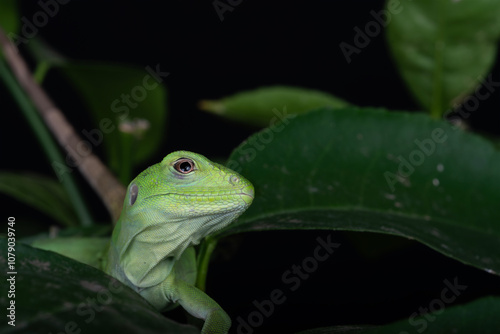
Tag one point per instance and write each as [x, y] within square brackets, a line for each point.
[258, 43]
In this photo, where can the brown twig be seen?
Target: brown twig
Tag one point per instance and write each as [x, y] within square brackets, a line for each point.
[109, 189]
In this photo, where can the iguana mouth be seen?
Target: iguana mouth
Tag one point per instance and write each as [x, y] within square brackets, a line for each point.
[246, 193]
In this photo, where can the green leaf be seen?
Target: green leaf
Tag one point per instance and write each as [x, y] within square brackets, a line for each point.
[337, 330]
[56, 294]
[45, 53]
[479, 316]
[128, 105]
[371, 170]
[443, 48]
[40, 192]
[9, 19]
[84, 250]
[78, 231]
[266, 105]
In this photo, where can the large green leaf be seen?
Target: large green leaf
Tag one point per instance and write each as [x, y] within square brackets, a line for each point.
[56, 294]
[118, 96]
[480, 316]
[40, 192]
[443, 48]
[267, 105]
[338, 169]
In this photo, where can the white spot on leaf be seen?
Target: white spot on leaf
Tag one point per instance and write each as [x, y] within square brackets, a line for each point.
[389, 230]
[284, 170]
[313, 190]
[435, 232]
[390, 196]
[41, 265]
[92, 286]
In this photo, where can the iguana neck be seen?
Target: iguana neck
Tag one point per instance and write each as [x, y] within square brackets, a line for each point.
[146, 243]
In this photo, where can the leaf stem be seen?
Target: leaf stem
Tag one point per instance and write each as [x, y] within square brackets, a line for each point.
[98, 175]
[206, 248]
[41, 71]
[48, 144]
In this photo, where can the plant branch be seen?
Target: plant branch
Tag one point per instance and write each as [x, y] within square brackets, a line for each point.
[109, 189]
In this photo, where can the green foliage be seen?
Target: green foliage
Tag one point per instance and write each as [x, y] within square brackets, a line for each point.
[372, 170]
[55, 293]
[332, 167]
[258, 106]
[444, 49]
[9, 18]
[128, 106]
[480, 316]
[43, 193]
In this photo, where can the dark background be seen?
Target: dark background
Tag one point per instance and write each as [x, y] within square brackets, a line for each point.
[258, 43]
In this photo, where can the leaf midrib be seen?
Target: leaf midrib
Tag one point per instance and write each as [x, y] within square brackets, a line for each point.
[398, 215]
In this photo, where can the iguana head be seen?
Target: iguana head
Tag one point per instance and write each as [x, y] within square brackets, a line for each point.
[182, 199]
[188, 185]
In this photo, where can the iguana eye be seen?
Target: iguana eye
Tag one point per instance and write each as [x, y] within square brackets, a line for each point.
[184, 165]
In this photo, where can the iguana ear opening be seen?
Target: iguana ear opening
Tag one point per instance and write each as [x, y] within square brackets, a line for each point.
[133, 191]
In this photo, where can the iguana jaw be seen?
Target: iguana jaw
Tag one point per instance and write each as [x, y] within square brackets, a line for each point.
[247, 194]
[218, 201]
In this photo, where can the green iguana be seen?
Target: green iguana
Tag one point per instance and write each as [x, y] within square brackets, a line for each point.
[168, 208]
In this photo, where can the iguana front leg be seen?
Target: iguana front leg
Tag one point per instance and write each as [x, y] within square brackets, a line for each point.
[179, 289]
[199, 305]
